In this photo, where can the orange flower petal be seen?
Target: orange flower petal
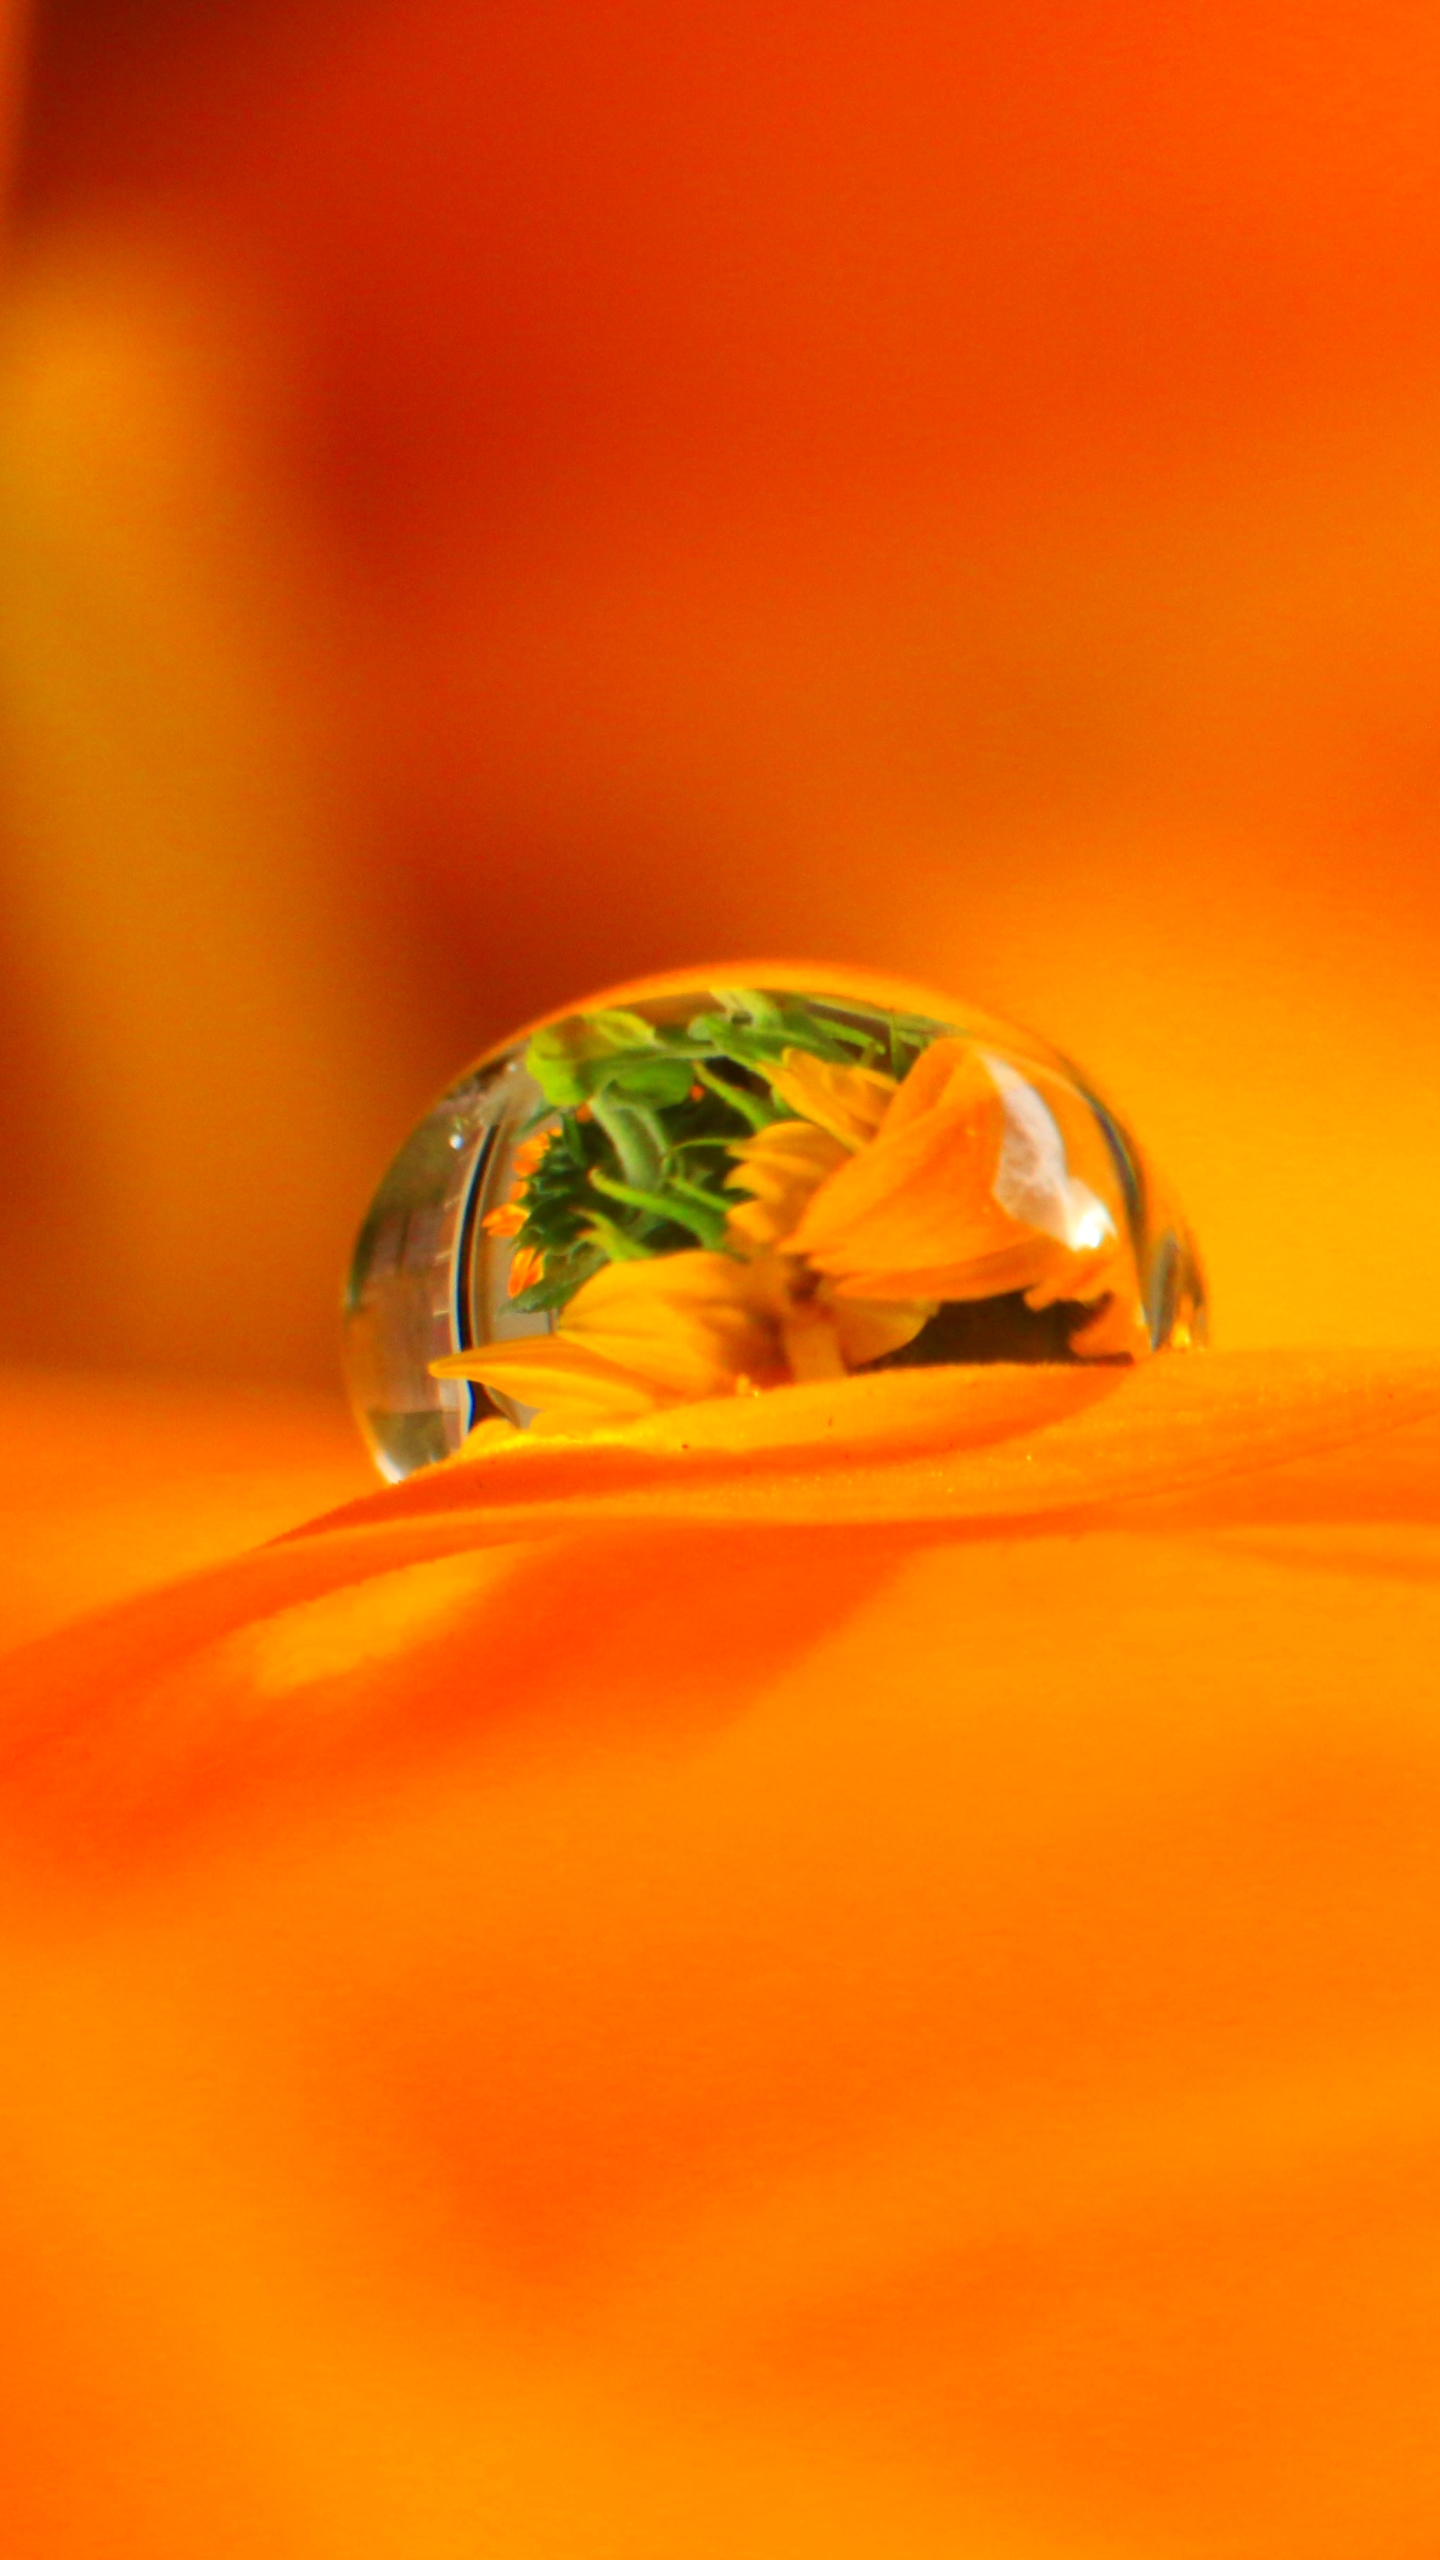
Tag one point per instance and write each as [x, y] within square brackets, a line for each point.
[958, 2064]
[918, 1198]
[527, 1265]
[679, 1327]
[849, 1102]
[575, 1388]
[783, 1166]
[998, 1443]
[507, 1220]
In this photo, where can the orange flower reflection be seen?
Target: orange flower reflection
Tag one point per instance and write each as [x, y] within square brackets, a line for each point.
[878, 1202]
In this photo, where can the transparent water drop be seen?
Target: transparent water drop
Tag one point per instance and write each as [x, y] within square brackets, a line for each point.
[706, 1189]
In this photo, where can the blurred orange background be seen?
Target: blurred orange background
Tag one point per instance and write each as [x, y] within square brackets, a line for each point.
[559, 2038]
[496, 498]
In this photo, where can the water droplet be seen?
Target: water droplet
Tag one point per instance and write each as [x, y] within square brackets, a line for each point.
[704, 1190]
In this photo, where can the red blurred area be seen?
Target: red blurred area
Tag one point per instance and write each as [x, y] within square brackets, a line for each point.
[504, 497]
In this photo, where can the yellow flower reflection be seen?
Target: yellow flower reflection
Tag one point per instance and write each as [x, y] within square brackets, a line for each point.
[876, 1203]
[968, 1190]
[678, 1329]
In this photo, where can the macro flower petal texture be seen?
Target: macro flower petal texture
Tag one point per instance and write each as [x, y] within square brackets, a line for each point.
[780, 1191]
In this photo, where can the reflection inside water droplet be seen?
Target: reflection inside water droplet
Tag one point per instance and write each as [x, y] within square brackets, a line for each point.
[713, 1190]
